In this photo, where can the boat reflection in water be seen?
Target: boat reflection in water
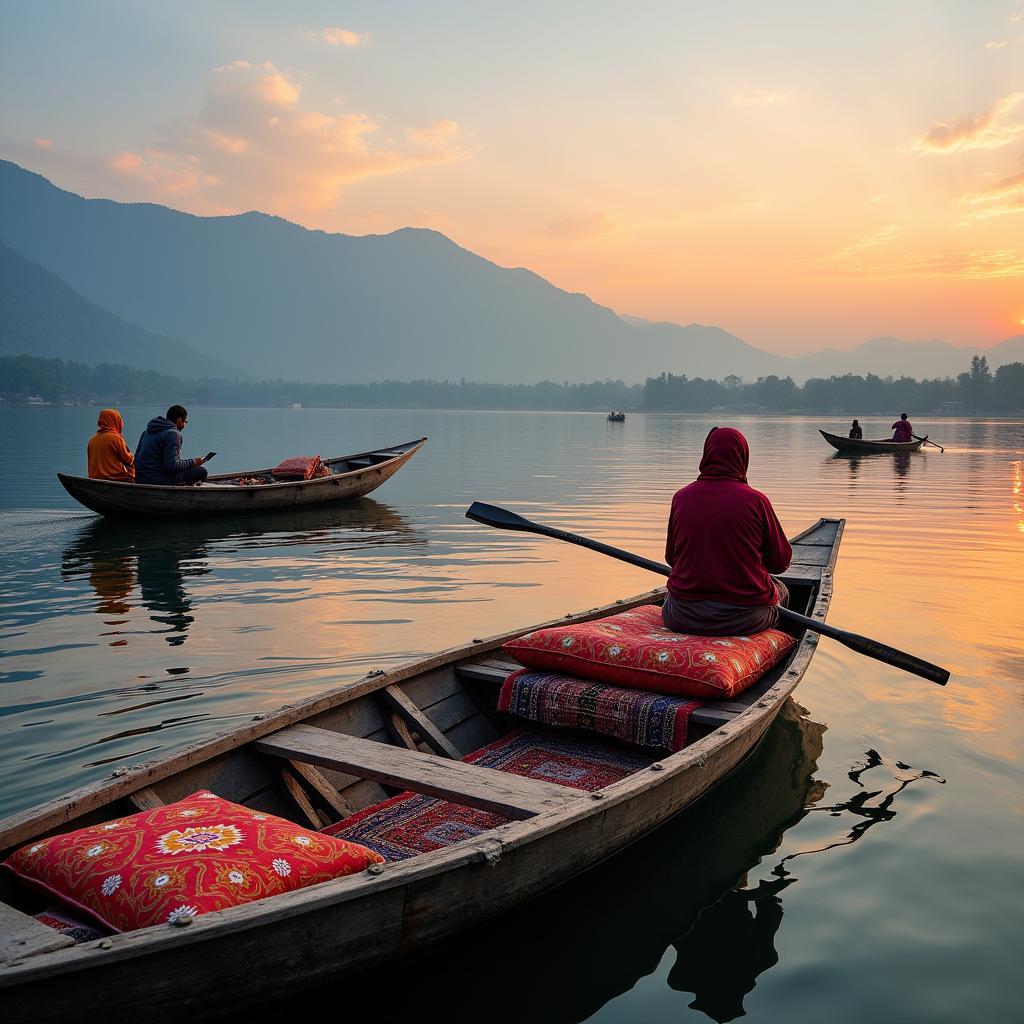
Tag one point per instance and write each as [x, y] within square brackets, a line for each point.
[685, 886]
[164, 555]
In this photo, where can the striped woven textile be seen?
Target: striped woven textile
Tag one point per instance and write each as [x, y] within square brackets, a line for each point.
[640, 717]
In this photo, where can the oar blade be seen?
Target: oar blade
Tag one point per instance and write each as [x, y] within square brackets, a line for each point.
[494, 515]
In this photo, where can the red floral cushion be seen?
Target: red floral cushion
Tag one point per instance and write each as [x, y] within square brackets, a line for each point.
[634, 649]
[183, 859]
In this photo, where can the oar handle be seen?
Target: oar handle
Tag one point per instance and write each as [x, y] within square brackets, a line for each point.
[503, 519]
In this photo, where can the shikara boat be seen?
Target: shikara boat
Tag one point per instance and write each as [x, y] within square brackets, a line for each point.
[351, 476]
[849, 445]
[323, 759]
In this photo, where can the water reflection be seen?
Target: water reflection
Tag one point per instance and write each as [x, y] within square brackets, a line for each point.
[746, 919]
[686, 886]
[163, 557]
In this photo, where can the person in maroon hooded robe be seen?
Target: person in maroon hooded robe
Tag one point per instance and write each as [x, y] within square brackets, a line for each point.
[724, 543]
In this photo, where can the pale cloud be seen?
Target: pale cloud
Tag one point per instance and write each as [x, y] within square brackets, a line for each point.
[996, 200]
[981, 264]
[758, 98]
[41, 143]
[998, 127]
[874, 242]
[169, 174]
[582, 228]
[253, 145]
[337, 36]
[438, 135]
[995, 44]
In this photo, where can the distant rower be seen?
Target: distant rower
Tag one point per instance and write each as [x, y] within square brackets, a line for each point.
[904, 431]
[724, 540]
[855, 432]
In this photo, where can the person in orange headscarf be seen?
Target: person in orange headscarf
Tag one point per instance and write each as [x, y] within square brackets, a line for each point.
[109, 457]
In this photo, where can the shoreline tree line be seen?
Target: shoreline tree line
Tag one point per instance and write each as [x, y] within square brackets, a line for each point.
[976, 391]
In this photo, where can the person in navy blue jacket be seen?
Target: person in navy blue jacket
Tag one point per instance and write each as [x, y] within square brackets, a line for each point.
[158, 456]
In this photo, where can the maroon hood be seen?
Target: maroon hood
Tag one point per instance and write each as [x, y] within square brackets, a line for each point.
[726, 455]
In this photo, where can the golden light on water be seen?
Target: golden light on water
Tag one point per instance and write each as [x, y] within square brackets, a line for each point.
[1018, 494]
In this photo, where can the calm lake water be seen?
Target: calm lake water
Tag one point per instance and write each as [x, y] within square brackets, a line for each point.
[864, 864]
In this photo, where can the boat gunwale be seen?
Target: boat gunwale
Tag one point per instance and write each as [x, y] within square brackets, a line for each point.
[476, 850]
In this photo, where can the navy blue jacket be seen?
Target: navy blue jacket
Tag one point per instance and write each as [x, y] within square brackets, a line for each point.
[158, 456]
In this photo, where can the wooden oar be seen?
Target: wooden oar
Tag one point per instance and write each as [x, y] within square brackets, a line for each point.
[926, 441]
[492, 515]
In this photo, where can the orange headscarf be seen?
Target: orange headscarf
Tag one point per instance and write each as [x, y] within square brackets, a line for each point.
[109, 456]
[110, 419]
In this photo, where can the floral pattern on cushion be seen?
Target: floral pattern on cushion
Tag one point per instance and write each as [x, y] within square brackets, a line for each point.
[181, 860]
[634, 649]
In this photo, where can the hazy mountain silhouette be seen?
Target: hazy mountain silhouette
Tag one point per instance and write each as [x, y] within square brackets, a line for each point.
[279, 301]
[42, 316]
[282, 301]
[893, 357]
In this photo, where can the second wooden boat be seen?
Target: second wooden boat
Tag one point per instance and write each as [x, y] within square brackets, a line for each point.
[862, 447]
[413, 729]
[350, 476]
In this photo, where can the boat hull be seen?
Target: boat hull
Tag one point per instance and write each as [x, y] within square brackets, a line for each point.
[269, 948]
[849, 445]
[220, 497]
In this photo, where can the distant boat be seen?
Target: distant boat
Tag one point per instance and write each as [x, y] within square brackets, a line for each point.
[349, 476]
[879, 447]
[616, 417]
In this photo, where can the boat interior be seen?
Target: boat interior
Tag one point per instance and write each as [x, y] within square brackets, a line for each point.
[342, 464]
[345, 761]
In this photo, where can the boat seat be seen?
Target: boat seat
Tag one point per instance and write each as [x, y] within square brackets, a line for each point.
[711, 714]
[366, 461]
[484, 788]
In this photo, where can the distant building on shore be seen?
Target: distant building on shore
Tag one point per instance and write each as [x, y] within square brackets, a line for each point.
[951, 408]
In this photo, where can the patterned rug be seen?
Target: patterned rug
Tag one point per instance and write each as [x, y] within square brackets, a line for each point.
[411, 823]
[67, 924]
[650, 720]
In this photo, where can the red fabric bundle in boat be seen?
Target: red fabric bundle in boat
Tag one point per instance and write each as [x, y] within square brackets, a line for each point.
[634, 649]
[180, 860]
[299, 467]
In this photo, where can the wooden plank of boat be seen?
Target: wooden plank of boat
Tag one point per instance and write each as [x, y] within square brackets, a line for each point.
[270, 946]
[352, 476]
[870, 447]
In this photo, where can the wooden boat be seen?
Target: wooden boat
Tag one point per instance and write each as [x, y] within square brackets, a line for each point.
[616, 417]
[347, 749]
[849, 445]
[351, 476]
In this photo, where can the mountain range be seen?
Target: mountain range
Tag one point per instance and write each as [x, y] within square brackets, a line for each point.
[259, 296]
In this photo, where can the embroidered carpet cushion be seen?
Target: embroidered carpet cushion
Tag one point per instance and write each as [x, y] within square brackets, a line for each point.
[183, 859]
[633, 649]
[564, 702]
[411, 823]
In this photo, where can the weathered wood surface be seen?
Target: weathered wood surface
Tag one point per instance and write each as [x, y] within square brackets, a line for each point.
[485, 788]
[111, 497]
[327, 792]
[146, 799]
[23, 936]
[416, 719]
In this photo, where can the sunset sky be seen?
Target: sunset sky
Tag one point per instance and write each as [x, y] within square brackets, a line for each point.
[802, 174]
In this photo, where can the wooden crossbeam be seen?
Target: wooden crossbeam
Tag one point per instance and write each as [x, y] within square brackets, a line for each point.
[146, 799]
[414, 717]
[330, 795]
[485, 788]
